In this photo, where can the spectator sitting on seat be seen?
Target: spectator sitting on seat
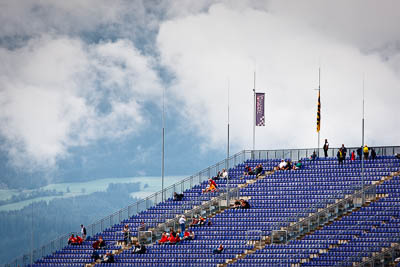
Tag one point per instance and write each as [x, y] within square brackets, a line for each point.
[298, 165]
[178, 197]
[289, 166]
[248, 171]
[218, 250]
[173, 238]
[202, 220]
[164, 238]
[259, 170]
[244, 204]
[72, 240]
[139, 249]
[195, 221]
[188, 235]
[108, 258]
[224, 174]
[373, 154]
[142, 227]
[218, 176]
[79, 240]
[313, 156]
[281, 165]
[95, 255]
[236, 204]
[102, 243]
[353, 156]
[340, 156]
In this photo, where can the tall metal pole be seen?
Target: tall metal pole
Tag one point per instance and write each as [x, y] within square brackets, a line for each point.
[319, 93]
[254, 113]
[31, 229]
[362, 146]
[227, 151]
[163, 144]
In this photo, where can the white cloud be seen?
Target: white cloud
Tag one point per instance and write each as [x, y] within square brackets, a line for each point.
[59, 92]
[203, 50]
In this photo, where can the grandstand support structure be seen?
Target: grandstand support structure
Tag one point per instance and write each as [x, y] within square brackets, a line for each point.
[105, 224]
[306, 226]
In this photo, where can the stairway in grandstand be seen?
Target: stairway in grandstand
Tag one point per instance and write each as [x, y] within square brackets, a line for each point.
[277, 200]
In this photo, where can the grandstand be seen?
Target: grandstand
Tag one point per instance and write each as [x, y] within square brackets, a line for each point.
[324, 214]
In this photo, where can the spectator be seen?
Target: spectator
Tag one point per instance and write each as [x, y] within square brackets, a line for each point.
[202, 220]
[95, 255]
[340, 156]
[373, 154]
[108, 258]
[195, 221]
[313, 156]
[182, 222]
[164, 238]
[344, 151]
[79, 240]
[353, 156]
[83, 232]
[139, 249]
[281, 165]
[366, 152]
[127, 234]
[218, 176]
[259, 170]
[244, 204]
[212, 186]
[102, 243]
[236, 204]
[72, 240]
[173, 238]
[142, 227]
[298, 165]
[359, 152]
[188, 235]
[224, 174]
[289, 165]
[178, 197]
[398, 156]
[326, 147]
[218, 250]
[248, 170]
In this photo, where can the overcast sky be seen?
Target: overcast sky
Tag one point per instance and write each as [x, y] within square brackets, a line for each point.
[81, 82]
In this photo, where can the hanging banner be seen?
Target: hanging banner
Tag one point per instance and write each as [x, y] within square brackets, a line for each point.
[260, 116]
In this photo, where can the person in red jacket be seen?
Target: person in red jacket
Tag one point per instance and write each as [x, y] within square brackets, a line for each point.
[78, 240]
[72, 240]
[164, 238]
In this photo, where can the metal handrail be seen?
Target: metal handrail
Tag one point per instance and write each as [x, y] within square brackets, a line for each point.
[189, 182]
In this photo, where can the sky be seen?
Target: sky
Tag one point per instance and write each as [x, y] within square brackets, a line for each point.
[82, 82]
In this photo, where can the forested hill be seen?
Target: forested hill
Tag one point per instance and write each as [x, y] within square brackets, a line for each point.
[57, 217]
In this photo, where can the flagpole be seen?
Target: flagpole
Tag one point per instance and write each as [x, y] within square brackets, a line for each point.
[362, 147]
[163, 147]
[227, 150]
[319, 94]
[254, 113]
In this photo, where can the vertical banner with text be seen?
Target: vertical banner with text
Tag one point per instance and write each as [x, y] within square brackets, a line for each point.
[260, 105]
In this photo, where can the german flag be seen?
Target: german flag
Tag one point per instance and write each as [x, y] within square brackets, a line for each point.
[319, 113]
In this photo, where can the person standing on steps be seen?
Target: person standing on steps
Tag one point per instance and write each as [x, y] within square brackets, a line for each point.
[326, 147]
